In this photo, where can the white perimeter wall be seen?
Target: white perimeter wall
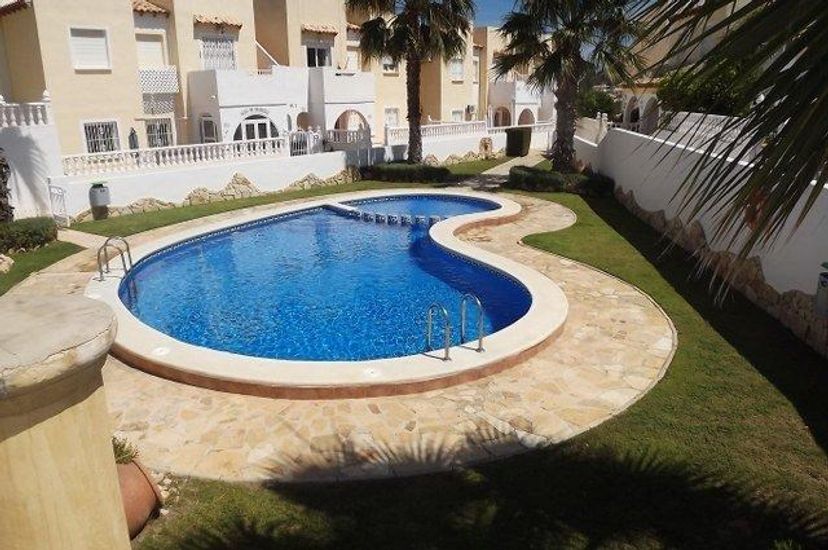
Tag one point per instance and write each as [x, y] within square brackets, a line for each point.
[33, 153]
[635, 162]
[173, 185]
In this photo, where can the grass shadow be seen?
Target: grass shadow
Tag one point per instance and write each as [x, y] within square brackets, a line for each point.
[794, 368]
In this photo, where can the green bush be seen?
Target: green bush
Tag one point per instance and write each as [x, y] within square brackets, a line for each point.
[125, 452]
[27, 234]
[518, 141]
[526, 178]
[591, 102]
[723, 92]
[404, 172]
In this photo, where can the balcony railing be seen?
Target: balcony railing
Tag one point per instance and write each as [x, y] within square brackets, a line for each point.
[171, 157]
[25, 114]
[399, 134]
[347, 137]
[161, 80]
[540, 127]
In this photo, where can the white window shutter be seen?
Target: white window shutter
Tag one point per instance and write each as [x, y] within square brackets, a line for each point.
[90, 49]
[150, 51]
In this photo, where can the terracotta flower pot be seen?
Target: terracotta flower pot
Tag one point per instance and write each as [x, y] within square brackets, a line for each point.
[140, 494]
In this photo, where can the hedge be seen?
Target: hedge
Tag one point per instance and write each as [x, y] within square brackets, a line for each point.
[27, 234]
[527, 178]
[404, 172]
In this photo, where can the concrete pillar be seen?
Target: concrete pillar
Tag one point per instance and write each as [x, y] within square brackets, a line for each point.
[59, 481]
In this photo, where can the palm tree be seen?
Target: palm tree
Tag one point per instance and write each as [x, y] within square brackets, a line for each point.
[559, 40]
[414, 31]
[6, 209]
[783, 42]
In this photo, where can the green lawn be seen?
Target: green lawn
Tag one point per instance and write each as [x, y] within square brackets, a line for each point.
[137, 223]
[728, 451]
[28, 262]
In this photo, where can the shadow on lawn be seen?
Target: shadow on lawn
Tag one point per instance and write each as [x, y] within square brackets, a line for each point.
[791, 366]
[560, 497]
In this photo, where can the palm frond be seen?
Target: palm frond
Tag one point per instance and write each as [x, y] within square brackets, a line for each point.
[785, 42]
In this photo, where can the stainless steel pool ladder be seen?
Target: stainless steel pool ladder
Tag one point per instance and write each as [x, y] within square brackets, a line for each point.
[103, 255]
[463, 310]
[439, 309]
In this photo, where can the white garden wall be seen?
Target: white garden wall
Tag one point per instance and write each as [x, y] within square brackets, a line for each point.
[33, 153]
[654, 171]
[174, 185]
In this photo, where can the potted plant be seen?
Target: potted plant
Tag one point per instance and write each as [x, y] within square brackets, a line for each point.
[140, 494]
[99, 200]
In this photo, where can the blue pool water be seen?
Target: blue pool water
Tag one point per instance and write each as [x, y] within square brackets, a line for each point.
[318, 285]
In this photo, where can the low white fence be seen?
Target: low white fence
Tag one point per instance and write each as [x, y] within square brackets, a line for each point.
[24, 114]
[348, 137]
[399, 135]
[540, 127]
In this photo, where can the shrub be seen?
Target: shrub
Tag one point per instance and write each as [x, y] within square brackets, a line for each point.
[27, 234]
[518, 141]
[404, 172]
[725, 92]
[527, 178]
[591, 102]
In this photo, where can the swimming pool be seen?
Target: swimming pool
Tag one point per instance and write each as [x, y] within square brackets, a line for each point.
[322, 285]
[226, 303]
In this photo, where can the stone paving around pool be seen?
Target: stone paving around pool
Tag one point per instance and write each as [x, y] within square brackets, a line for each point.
[615, 346]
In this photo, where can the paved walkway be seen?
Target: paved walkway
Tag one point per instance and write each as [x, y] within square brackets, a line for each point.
[494, 178]
[615, 346]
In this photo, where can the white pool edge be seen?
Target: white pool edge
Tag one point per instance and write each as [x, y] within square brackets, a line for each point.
[153, 351]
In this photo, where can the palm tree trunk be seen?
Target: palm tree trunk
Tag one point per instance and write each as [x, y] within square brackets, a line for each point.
[415, 135]
[6, 209]
[563, 150]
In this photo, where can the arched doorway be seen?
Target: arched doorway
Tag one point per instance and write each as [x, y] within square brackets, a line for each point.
[303, 121]
[255, 127]
[649, 122]
[351, 120]
[502, 117]
[632, 113]
[526, 118]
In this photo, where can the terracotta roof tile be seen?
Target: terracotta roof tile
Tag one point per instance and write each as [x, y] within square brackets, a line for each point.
[321, 29]
[218, 20]
[11, 6]
[354, 27]
[143, 6]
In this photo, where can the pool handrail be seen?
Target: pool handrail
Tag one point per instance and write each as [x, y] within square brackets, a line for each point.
[446, 329]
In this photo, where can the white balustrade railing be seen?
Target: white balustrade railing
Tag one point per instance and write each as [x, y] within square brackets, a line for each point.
[347, 137]
[24, 114]
[399, 134]
[631, 126]
[305, 143]
[540, 127]
[171, 157]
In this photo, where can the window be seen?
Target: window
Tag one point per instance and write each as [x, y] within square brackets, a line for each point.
[476, 62]
[456, 68]
[101, 137]
[90, 49]
[209, 133]
[389, 65]
[151, 51]
[457, 115]
[392, 117]
[218, 53]
[159, 132]
[319, 57]
[353, 60]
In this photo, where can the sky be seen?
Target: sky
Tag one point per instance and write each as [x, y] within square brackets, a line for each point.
[491, 12]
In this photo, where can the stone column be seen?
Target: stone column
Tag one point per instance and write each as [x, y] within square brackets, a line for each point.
[59, 482]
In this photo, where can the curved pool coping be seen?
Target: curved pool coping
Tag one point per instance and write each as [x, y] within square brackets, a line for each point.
[150, 350]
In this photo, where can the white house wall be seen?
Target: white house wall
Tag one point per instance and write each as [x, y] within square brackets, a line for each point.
[174, 185]
[33, 154]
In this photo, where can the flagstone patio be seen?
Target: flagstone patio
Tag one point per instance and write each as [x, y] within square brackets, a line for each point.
[617, 343]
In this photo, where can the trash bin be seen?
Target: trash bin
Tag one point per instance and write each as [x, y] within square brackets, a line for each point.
[518, 141]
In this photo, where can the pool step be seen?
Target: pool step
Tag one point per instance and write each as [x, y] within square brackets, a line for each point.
[386, 219]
